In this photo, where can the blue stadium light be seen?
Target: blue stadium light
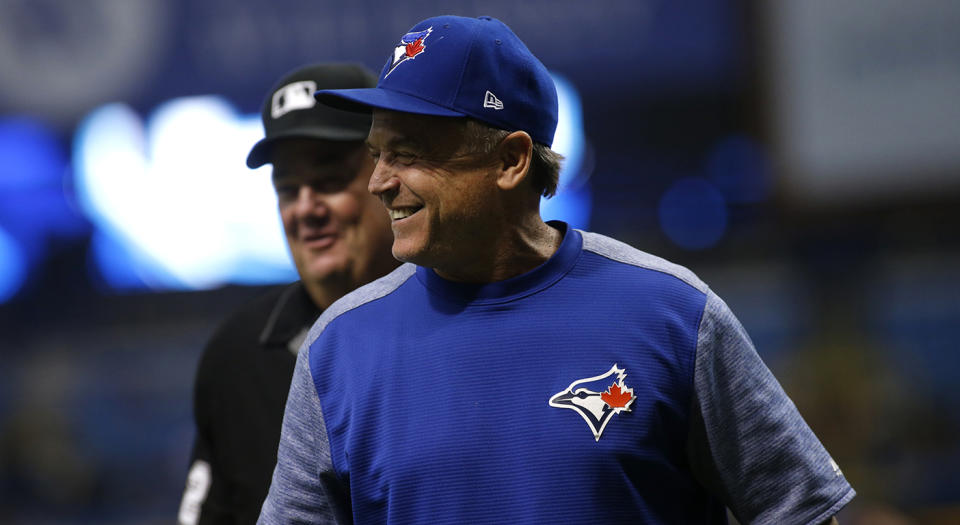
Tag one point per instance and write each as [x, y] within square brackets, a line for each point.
[175, 206]
[13, 267]
[573, 200]
[176, 196]
[33, 210]
[693, 213]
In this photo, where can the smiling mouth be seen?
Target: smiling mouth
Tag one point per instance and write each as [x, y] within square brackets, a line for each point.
[319, 240]
[402, 213]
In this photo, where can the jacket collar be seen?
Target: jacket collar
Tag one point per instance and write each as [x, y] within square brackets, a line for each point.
[293, 313]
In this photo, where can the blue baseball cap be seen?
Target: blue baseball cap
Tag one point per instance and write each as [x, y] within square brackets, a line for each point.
[452, 66]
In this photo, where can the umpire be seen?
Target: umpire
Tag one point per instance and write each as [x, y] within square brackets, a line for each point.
[339, 237]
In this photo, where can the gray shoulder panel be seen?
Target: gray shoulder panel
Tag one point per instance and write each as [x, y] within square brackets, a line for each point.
[621, 252]
[363, 295]
[297, 493]
[305, 488]
[748, 443]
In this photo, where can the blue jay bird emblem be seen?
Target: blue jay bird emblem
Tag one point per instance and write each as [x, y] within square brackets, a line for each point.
[411, 45]
[596, 399]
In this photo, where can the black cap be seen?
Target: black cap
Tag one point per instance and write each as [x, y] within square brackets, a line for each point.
[291, 110]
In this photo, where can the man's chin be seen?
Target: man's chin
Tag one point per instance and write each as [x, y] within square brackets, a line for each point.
[405, 254]
[418, 258]
[321, 269]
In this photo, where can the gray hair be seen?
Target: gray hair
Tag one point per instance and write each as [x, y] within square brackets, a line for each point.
[544, 164]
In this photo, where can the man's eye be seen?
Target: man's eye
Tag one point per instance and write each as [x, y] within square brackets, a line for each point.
[286, 192]
[404, 157]
[332, 184]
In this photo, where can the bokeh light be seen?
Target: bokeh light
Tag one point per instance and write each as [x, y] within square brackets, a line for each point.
[693, 213]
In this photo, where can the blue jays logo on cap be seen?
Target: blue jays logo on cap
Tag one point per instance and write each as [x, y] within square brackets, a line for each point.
[411, 45]
[596, 400]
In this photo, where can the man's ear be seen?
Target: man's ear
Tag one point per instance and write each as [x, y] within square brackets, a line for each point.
[515, 152]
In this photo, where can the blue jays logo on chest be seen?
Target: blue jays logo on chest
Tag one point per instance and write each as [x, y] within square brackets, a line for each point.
[597, 399]
[411, 45]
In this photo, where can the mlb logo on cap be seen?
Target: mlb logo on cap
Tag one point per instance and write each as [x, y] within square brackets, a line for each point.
[462, 67]
[298, 95]
[291, 111]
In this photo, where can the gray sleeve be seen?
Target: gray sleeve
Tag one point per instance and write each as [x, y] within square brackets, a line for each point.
[302, 477]
[748, 444]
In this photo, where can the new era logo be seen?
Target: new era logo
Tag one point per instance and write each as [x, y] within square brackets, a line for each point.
[491, 101]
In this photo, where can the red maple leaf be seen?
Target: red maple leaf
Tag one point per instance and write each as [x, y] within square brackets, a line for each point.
[615, 397]
[415, 48]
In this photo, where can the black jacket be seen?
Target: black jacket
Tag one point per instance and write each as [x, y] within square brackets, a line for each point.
[239, 397]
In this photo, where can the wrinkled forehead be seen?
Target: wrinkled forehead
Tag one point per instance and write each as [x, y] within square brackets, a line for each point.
[425, 132]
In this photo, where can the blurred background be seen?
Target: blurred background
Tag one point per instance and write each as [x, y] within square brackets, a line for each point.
[803, 158]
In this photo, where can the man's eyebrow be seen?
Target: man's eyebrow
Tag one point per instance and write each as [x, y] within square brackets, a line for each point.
[398, 142]
[330, 156]
[320, 160]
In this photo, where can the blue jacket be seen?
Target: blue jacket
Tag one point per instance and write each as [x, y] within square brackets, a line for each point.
[604, 386]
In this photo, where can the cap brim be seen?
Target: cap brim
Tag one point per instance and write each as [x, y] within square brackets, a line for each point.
[260, 153]
[364, 99]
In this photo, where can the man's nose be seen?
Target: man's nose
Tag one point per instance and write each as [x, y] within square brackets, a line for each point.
[310, 202]
[382, 180]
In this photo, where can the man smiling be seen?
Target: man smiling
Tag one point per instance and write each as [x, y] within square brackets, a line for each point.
[519, 371]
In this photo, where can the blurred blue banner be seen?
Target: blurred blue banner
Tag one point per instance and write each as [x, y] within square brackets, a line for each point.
[71, 56]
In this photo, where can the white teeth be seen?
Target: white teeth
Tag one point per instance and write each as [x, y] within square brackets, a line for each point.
[401, 213]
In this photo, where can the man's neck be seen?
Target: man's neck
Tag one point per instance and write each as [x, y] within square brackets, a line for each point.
[518, 250]
[325, 294]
